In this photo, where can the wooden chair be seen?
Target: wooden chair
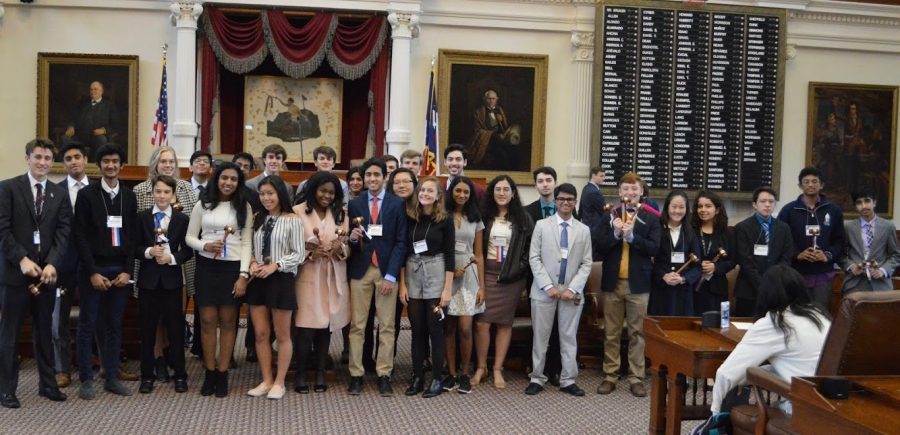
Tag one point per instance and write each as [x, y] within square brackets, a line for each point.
[862, 341]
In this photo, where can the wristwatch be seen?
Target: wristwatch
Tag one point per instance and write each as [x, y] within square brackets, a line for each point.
[245, 275]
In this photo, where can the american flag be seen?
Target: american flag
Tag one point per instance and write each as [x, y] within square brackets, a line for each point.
[161, 123]
[429, 152]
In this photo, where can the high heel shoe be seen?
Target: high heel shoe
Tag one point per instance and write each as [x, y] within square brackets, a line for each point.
[499, 382]
[260, 390]
[479, 375]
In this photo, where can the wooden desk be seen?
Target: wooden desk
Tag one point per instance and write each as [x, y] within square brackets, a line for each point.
[678, 347]
[873, 406]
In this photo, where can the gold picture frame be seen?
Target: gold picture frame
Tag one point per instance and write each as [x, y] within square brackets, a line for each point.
[852, 138]
[63, 99]
[515, 146]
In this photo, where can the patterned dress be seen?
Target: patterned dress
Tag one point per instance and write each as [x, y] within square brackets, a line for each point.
[465, 288]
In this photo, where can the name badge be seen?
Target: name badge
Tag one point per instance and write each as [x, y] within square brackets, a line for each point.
[114, 222]
[36, 237]
[564, 253]
[761, 250]
[499, 241]
[461, 246]
[375, 230]
[810, 228]
[678, 257]
[420, 246]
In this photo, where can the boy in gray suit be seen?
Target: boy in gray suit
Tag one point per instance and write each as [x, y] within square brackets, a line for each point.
[872, 251]
[560, 259]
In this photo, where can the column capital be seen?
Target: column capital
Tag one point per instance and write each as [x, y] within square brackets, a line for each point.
[186, 13]
[583, 43]
[404, 24]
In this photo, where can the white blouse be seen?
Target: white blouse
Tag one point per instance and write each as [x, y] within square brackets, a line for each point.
[208, 226]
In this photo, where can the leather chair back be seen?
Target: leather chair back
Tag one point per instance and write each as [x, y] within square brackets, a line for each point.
[865, 336]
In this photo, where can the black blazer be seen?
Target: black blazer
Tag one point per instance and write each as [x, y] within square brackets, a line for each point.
[718, 284]
[640, 252]
[69, 262]
[519, 244]
[152, 272]
[781, 251]
[17, 226]
[663, 262]
[92, 237]
[591, 206]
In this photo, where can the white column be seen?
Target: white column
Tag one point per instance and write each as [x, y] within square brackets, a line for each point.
[183, 124]
[583, 58]
[404, 27]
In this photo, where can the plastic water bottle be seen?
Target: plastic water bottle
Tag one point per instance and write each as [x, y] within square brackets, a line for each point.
[726, 315]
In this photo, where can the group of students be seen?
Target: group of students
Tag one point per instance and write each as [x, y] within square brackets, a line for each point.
[338, 252]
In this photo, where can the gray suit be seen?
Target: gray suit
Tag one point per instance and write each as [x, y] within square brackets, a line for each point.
[253, 183]
[545, 259]
[884, 250]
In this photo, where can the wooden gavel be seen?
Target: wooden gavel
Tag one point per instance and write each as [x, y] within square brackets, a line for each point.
[35, 289]
[691, 260]
[720, 254]
[160, 233]
[873, 264]
[177, 206]
[814, 232]
[623, 203]
[228, 231]
[358, 221]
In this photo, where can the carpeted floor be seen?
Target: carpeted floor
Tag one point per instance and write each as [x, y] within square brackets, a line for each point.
[485, 410]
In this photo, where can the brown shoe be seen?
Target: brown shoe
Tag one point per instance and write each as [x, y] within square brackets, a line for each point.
[63, 380]
[606, 387]
[638, 390]
[125, 375]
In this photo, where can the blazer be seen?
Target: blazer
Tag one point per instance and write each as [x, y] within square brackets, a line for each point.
[747, 233]
[92, 237]
[390, 248]
[544, 257]
[640, 251]
[663, 262]
[884, 250]
[718, 284]
[17, 226]
[152, 273]
[69, 263]
[590, 208]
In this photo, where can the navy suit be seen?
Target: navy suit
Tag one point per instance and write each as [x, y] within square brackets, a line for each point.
[591, 206]
[390, 248]
[17, 225]
[641, 250]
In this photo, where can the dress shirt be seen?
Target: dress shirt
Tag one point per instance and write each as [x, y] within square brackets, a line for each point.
[559, 221]
[111, 191]
[74, 187]
[32, 181]
[164, 224]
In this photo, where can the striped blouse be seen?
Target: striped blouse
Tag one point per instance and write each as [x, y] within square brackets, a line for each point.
[287, 246]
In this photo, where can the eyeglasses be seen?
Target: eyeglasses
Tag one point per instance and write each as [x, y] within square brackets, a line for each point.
[564, 200]
[204, 161]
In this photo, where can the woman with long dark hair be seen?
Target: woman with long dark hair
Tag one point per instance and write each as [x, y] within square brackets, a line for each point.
[467, 299]
[508, 230]
[673, 281]
[221, 231]
[710, 222]
[322, 287]
[354, 178]
[788, 332]
[426, 280]
[277, 253]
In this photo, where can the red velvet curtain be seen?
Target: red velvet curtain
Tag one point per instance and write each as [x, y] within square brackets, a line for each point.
[241, 45]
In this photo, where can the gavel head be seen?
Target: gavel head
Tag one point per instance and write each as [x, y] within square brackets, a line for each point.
[177, 206]
[339, 231]
[160, 231]
[722, 252]
[437, 311]
[358, 221]
[637, 207]
[316, 231]
[607, 207]
[229, 229]
[814, 231]
[35, 289]
[693, 258]
[626, 200]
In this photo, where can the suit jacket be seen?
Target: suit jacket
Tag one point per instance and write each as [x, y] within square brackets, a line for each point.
[718, 284]
[69, 263]
[152, 272]
[591, 206]
[748, 233]
[17, 226]
[663, 261]
[640, 251]
[544, 257]
[884, 250]
[90, 117]
[535, 211]
[390, 248]
[253, 184]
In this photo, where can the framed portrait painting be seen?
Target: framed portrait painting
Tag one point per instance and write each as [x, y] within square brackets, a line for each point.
[851, 137]
[299, 114]
[88, 98]
[493, 104]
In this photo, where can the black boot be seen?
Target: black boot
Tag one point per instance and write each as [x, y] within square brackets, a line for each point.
[416, 387]
[221, 383]
[434, 390]
[209, 383]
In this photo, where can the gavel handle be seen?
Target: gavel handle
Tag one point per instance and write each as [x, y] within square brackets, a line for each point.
[684, 266]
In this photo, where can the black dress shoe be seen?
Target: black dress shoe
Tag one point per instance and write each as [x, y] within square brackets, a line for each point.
[533, 388]
[53, 394]
[301, 388]
[9, 401]
[181, 385]
[146, 386]
[415, 387]
[573, 390]
[384, 386]
[209, 383]
[553, 378]
[355, 387]
[435, 389]
[162, 370]
[320, 388]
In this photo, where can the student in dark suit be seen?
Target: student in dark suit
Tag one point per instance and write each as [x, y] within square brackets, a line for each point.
[378, 248]
[35, 219]
[75, 160]
[592, 201]
[627, 240]
[105, 223]
[710, 222]
[761, 242]
[162, 250]
[673, 293]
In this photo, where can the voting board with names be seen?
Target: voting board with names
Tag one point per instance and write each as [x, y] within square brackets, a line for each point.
[690, 96]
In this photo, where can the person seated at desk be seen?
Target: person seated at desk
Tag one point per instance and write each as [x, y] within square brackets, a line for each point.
[789, 331]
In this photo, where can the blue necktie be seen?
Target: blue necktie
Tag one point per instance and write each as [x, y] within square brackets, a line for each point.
[563, 244]
[765, 228]
[159, 218]
[870, 236]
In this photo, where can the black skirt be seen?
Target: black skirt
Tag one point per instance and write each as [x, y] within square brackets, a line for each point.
[276, 291]
[215, 281]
